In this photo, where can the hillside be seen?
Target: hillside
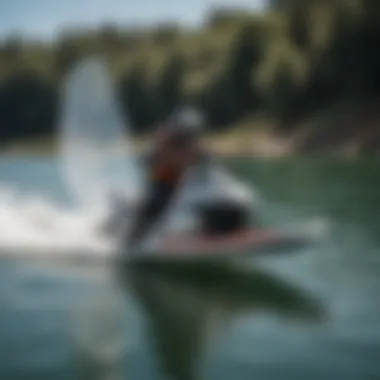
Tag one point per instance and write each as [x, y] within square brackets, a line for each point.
[303, 73]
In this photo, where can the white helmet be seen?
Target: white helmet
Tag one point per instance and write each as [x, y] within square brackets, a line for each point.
[187, 121]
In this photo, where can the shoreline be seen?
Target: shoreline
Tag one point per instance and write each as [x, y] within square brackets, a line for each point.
[260, 143]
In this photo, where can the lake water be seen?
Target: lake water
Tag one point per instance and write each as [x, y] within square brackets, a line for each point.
[312, 315]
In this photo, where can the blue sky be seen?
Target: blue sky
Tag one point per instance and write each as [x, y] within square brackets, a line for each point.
[43, 18]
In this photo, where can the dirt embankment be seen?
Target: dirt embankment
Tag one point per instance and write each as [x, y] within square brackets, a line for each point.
[349, 131]
[344, 131]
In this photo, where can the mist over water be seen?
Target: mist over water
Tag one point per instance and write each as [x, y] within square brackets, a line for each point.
[312, 315]
[39, 215]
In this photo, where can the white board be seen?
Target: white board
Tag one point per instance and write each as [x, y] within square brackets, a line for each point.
[251, 242]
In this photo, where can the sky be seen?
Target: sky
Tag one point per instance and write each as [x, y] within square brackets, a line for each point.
[41, 19]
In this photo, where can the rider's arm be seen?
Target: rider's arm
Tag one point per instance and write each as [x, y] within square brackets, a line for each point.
[120, 210]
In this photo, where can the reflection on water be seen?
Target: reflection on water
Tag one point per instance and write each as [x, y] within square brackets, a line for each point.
[96, 335]
[188, 304]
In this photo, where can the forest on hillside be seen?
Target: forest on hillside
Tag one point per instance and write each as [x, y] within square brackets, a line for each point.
[290, 64]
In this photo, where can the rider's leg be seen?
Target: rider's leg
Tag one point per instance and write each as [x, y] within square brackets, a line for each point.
[151, 210]
[219, 218]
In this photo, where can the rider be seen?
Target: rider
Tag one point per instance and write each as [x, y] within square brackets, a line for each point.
[177, 147]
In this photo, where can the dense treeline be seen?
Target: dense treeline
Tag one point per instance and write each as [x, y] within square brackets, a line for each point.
[286, 64]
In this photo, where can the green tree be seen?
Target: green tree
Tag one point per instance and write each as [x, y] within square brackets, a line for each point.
[282, 98]
[136, 100]
[220, 102]
[67, 53]
[28, 106]
[245, 57]
[168, 91]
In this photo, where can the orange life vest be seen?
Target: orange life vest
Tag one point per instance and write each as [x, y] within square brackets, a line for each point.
[165, 174]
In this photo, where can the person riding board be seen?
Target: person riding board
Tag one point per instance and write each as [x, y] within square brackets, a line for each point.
[177, 146]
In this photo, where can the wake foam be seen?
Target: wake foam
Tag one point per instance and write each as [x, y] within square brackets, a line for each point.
[36, 226]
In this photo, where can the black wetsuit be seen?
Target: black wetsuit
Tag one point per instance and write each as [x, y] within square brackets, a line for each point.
[155, 204]
[158, 196]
